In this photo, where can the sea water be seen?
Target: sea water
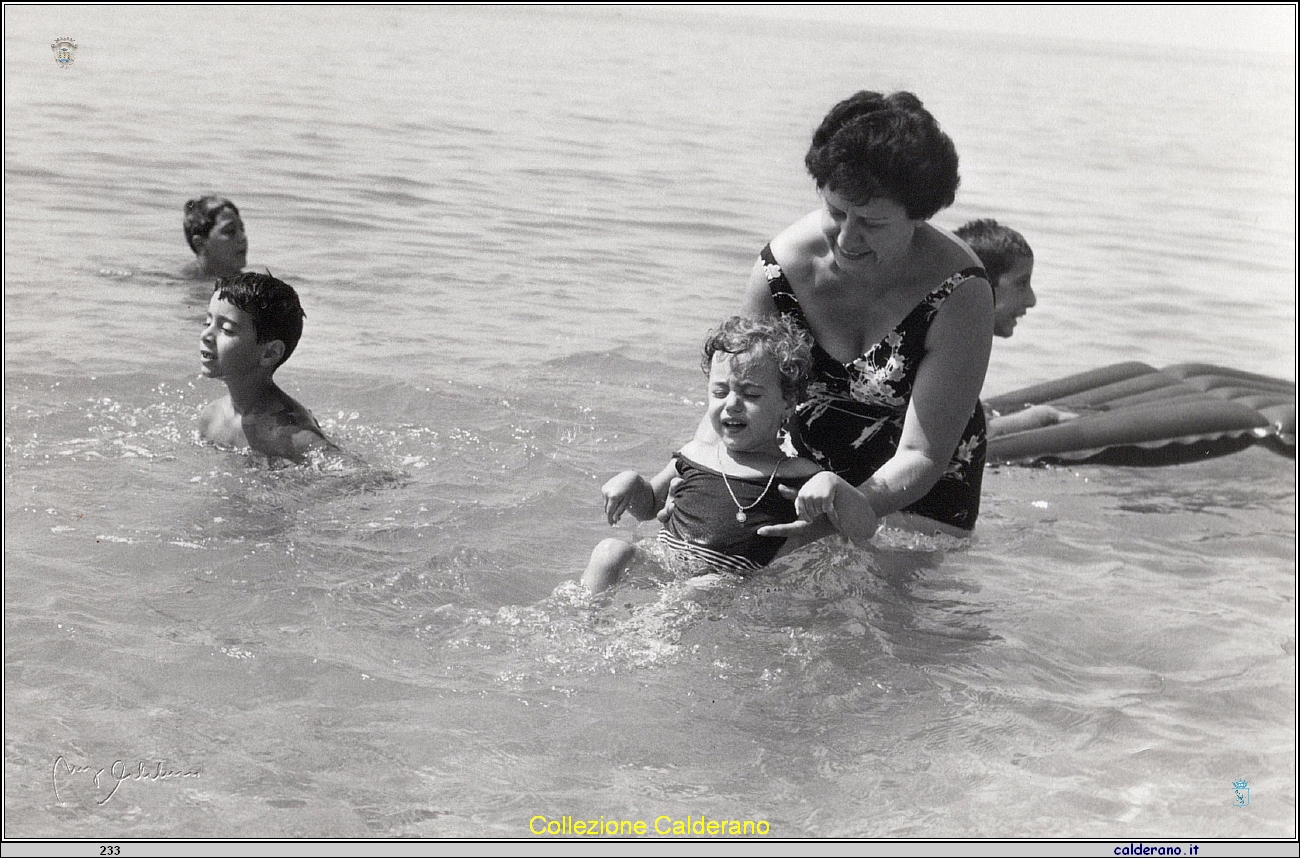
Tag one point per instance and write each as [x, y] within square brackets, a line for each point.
[511, 228]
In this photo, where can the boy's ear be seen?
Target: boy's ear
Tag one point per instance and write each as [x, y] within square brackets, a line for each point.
[272, 351]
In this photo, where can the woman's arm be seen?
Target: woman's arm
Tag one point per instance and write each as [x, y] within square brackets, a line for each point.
[947, 388]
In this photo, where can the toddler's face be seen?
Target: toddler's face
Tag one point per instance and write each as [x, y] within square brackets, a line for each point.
[746, 406]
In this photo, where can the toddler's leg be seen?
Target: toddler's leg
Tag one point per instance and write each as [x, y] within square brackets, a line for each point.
[608, 561]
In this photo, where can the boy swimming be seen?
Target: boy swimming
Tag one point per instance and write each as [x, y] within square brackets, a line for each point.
[253, 324]
[731, 488]
[215, 232]
[1009, 261]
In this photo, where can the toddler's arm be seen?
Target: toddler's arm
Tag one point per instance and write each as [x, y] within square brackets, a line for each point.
[632, 493]
[851, 513]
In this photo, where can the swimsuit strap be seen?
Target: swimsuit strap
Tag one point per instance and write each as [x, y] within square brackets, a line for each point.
[778, 284]
[947, 286]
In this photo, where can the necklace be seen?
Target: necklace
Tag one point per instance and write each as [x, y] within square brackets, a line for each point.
[740, 510]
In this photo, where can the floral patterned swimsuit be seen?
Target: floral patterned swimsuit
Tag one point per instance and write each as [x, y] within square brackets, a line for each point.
[851, 418]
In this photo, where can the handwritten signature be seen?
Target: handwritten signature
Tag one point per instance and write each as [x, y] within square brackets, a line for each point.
[115, 774]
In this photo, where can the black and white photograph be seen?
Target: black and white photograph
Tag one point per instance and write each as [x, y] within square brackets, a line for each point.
[651, 424]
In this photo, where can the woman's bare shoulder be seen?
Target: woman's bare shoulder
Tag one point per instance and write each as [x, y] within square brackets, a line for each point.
[948, 252]
[799, 245]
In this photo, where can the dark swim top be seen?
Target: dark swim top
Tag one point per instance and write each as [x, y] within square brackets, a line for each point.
[703, 523]
[851, 419]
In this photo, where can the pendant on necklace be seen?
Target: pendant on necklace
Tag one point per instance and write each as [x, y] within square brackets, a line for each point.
[740, 516]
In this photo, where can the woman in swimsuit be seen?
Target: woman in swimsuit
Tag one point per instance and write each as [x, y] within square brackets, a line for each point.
[902, 316]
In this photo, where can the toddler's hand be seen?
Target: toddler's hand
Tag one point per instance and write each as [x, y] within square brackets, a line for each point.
[619, 493]
[670, 501]
[803, 529]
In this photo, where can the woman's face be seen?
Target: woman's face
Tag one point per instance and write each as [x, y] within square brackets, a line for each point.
[875, 234]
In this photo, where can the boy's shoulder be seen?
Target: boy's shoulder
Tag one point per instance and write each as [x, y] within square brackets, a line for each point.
[193, 270]
[284, 428]
[280, 426]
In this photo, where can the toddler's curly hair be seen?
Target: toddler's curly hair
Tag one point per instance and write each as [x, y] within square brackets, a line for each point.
[776, 337]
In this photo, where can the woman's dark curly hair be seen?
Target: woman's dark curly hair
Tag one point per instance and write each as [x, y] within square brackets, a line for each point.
[775, 337]
[872, 145]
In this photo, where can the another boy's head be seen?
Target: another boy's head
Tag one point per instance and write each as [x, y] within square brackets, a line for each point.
[254, 321]
[1009, 261]
[215, 232]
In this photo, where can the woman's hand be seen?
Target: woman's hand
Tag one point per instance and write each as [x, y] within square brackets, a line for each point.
[827, 504]
[817, 498]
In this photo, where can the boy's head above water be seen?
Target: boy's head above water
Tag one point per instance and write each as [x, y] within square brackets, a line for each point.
[757, 370]
[254, 323]
[215, 232]
[1009, 261]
